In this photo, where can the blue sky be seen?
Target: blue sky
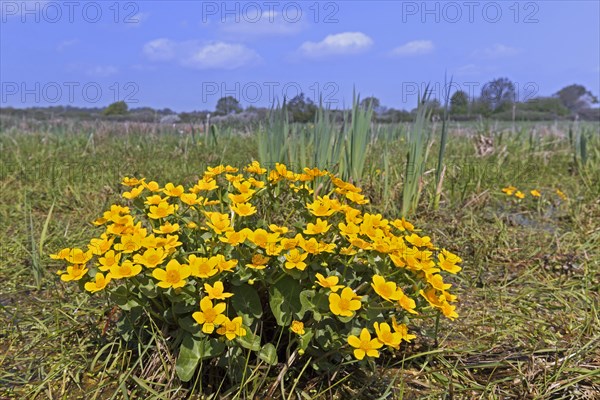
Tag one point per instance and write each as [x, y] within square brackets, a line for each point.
[185, 55]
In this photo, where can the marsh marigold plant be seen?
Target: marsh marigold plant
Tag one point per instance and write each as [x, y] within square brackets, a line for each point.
[249, 259]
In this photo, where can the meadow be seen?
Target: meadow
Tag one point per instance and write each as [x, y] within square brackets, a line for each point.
[529, 291]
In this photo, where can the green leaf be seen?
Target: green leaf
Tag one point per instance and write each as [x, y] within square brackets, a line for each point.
[191, 351]
[189, 324]
[245, 300]
[306, 302]
[250, 341]
[306, 338]
[185, 306]
[268, 354]
[123, 298]
[148, 288]
[284, 300]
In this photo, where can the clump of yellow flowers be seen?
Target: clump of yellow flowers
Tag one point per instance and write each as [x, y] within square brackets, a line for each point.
[252, 259]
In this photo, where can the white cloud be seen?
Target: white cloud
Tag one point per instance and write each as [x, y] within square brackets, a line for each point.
[102, 71]
[414, 48]
[338, 44]
[221, 55]
[496, 51]
[160, 49]
[191, 54]
[269, 23]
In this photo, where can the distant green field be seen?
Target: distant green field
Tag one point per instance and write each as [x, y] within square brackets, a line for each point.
[529, 292]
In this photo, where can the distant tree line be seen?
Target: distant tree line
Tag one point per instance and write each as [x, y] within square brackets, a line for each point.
[498, 99]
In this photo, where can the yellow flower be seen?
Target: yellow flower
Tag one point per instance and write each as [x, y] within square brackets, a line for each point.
[210, 316]
[519, 194]
[360, 243]
[364, 346]
[135, 192]
[205, 184]
[255, 168]
[239, 198]
[312, 246]
[432, 298]
[169, 242]
[297, 327]
[331, 282]
[387, 290]
[356, 198]
[125, 270]
[172, 190]
[344, 305]
[321, 226]
[191, 225]
[437, 281]
[419, 241]
[258, 262]
[202, 267]
[403, 225]
[151, 257]
[535, 193]
[154, 200]
[132, 181]
[263, 239]
[100, 246]
[161, 210]
[448, 264]
[402, 329]
[191, 199]
[314, 172]
[321, 207]
[152, 186]
[348, 251]
[61, 255]
[166, 228]
[244, 209]
[223, 264]
[244, 187]
[232, 328]
[278, 229]
[235, 238]
[509, 190]
[174, 275]
[386, 336]
[110, 258]
[219, 223]
[98, 284]
[288, 244]
[349, 229]
[352, 215]
[406, 302]
[73, 273]
[255, 183]
[78, 256]
[234, 178]
[129, 243]
[295, 259]
[561, 194]
[449, 311]
[217, 291]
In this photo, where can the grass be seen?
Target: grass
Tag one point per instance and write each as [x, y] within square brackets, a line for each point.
[529, 289]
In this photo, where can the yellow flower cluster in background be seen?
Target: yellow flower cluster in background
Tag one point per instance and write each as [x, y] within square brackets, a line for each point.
[254, 227]
[513, 191]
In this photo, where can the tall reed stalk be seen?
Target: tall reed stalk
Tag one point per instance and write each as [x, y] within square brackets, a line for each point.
[439, 172]
[416, 157]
